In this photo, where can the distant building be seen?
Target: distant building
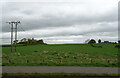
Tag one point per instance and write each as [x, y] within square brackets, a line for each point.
[109, 42]
[106, 42]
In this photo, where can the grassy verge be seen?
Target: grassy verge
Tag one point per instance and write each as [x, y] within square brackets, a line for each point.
[79, 74]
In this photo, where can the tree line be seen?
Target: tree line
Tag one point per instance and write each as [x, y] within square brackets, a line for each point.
[30, 41]
[100, 41]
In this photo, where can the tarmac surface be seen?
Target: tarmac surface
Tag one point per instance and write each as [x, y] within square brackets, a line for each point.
[59, 69]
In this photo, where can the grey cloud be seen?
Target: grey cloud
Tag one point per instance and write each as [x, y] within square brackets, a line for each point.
[27, 12]
[53, 20]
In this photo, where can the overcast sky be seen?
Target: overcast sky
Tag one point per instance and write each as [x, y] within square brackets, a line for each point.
[62, 21]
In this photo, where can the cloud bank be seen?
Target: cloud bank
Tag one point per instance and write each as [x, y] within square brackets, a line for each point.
[63, 22]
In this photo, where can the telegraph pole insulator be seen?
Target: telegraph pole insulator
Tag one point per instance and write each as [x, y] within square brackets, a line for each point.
[13, 30]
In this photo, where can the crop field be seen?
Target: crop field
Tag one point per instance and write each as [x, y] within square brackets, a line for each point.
[62, 55]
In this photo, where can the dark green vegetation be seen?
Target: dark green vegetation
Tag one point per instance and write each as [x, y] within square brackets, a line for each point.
[73, 74]
[62, 55]
[29, 41]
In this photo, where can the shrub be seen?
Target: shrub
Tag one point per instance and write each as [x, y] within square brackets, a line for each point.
[99, 41]
[117, 46]
[92, 41]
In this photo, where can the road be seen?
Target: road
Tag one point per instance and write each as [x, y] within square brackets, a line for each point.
[59, 69]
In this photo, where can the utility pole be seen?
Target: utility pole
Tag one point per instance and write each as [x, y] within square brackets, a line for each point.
[13, 30]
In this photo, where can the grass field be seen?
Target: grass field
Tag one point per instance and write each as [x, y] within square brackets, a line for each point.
[62, 55]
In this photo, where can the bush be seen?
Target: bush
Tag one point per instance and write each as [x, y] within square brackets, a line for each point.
[30, 41]
[117, 46]
[119, 41]
[92, 41]
[99, 41]
[6, 45]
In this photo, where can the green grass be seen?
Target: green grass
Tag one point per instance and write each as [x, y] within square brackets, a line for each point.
[73, 74]
[62, 55]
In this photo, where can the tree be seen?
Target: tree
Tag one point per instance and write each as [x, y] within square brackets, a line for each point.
[92, 41]
[15, 41]
[99, 41]
[23, 40]
[119, 41]
[40, 41]
[31, 41]
[34, 41]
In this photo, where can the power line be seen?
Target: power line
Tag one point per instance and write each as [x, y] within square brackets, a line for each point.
[5, 38]
[24, 30]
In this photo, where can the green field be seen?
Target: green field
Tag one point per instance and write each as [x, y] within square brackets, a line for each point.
[62, 55]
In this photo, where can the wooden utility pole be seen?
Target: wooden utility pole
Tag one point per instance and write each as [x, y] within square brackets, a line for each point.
[13, 40]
